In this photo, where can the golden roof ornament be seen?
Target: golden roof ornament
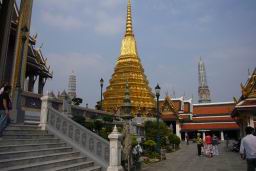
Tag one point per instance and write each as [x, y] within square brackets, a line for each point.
[129, 70]
[249, 89]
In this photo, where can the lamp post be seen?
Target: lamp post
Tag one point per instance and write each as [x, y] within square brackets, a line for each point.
[101, 86]
[157, 90]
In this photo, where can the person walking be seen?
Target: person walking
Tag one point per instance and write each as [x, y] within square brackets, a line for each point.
[248, 149]
[199, 143]
[215, 142]
[187, 139]
[208, 145]
[5, 107]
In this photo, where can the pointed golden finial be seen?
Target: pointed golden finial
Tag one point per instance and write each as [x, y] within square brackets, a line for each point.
[129, 20]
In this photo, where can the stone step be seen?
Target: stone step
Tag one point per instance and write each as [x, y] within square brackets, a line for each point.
[22, 127]
[47, 165]
[74, 167]
[28, 160]
[6, 141]
[24, 147]
[27, 153]
[24, 132]
[31, 136]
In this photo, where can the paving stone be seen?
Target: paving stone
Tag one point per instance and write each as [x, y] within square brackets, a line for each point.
[186, 159]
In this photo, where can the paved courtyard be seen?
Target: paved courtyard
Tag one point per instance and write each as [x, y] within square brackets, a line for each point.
[186, 159]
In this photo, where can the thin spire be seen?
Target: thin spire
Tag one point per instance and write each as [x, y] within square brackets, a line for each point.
[129, 20]
[203, 89]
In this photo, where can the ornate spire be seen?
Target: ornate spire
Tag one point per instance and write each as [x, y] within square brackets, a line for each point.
[203, 89]
[129, 20]
[129, 71]
[72, 85]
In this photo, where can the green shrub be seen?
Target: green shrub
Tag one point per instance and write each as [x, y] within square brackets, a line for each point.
[153, 155]
[174, 140]
[150, 145]
[134, 140]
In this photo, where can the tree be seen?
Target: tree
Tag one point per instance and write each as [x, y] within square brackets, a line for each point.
[79, 119]
[151, 132]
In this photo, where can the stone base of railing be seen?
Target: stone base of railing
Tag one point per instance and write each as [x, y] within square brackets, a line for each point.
[115, 168]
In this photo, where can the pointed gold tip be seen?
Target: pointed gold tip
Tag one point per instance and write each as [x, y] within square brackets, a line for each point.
[129, 20]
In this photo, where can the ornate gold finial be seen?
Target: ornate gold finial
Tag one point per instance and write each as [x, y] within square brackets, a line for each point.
[129, 20]
[235, 100]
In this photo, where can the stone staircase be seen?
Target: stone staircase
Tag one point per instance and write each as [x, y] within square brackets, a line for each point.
[27, 148]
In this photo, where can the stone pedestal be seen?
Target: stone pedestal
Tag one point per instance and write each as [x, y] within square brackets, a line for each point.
[115, 151]
[46, 101]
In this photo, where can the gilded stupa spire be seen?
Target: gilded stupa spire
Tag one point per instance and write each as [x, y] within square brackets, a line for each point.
[129, 71]
[129, 20]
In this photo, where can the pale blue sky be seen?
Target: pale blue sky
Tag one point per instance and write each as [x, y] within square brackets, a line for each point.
[85, 36]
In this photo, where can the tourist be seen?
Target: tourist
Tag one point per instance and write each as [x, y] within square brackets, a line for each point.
[215, 142]
[199, 143]
[5, 107]
[187, 139]
[248, 149]
[2, 88]
[208, 145]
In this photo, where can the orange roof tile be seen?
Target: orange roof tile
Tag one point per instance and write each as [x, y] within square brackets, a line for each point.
[213, 109]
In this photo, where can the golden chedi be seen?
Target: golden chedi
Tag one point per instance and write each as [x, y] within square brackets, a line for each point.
[129, 70]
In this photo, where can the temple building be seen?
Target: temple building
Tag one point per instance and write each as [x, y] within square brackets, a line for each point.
[129, 70]
[203, 89]
[245, 108]
[183, 117]
[33, 65]
[22, 65]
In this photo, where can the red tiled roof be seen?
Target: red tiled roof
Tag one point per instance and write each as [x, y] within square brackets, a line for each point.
[216, 126]
[171, 117]
[177, 104]
[213, 109]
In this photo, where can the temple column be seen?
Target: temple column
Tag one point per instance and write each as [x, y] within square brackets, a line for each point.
[31, 82]
[251, 123]
[5, 18]
[221, 135]
[203, 136]
[41, 83]
[178, 129]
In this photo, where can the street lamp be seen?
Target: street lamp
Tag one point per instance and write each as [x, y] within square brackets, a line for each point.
[101, 86]
[157, 90]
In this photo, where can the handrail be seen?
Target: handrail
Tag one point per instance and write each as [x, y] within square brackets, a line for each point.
[83, 139]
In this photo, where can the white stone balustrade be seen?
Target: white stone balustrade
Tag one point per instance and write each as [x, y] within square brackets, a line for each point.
[74, 134]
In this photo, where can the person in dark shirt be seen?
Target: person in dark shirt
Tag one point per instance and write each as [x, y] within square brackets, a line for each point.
[5, 107]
